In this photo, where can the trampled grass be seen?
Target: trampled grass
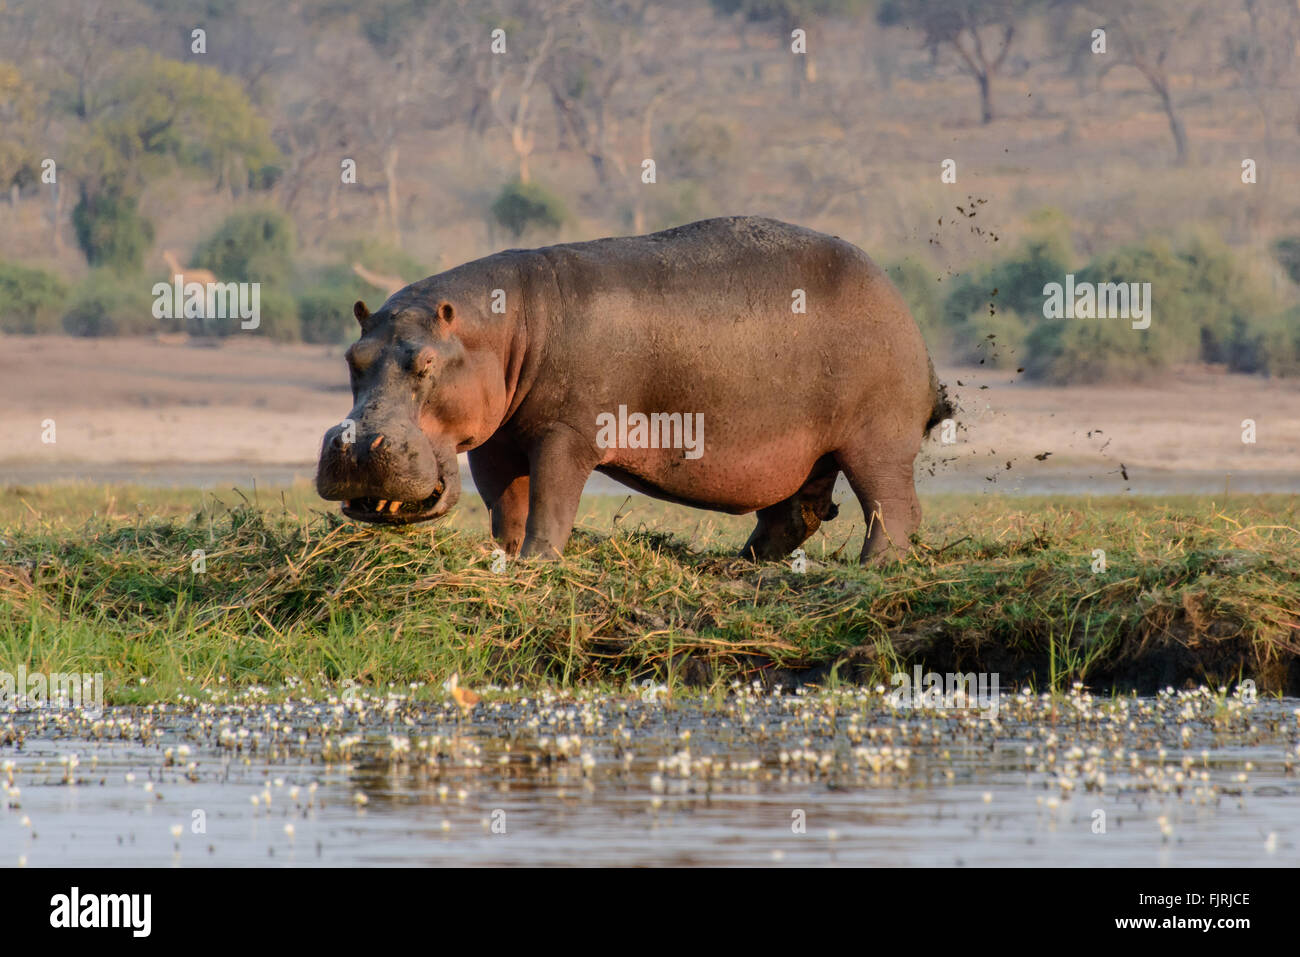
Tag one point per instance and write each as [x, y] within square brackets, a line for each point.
[1193, 591]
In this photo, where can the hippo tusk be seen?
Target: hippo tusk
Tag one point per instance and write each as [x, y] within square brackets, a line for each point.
[380, 506]
[376, 443]
[394, 507]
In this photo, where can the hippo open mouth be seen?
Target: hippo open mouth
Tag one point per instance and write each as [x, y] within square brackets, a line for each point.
[379, 511]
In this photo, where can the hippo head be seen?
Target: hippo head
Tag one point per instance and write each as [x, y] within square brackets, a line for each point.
[418, 400]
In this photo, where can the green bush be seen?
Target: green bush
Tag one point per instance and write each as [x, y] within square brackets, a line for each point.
[1270, 345]
[325, 316]
[325, 301]
[325, 296]
[31, 300]
[1016, 284]
[1221, 298]
[1068, 351]
[111, 231]
[383, 258]
[1094, 350]
[996, 340]
[106, 304]
[254, 245]
[279, 315]
[1205, 306]
[1287, 253]
[520, 207]
[1013, 287]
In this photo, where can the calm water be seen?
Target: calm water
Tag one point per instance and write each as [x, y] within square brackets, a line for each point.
[751, 779]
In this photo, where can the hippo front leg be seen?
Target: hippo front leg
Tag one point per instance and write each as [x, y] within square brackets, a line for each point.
[501, 475]
[559, 467]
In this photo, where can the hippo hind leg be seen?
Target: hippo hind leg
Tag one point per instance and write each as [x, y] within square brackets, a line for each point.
[885, 487]
[785, 526]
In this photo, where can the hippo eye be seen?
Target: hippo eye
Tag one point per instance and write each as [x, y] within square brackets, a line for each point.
[422, 363]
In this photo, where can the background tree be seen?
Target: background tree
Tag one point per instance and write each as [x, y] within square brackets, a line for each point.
[1151, 36]
[979, 32]
[154, 114]
[1262, 53]
[785, 16]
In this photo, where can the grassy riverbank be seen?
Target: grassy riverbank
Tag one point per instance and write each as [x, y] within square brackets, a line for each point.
[97, 579]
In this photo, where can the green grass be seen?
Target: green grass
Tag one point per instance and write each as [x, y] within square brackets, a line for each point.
[101, 580]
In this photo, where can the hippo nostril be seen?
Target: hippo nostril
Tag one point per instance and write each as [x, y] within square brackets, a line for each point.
[337, 441]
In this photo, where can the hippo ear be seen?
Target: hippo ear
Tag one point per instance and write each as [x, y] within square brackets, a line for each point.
[361, 312]
[445, 312]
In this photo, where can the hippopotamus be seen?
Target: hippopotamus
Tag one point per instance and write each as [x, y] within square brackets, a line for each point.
[735, 364]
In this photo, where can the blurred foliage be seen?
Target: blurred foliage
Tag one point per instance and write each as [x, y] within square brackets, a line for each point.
[1287, 252]
[279, 316]
[325, 295]
[31, 300]
[111, 231]
[1205, 306]
[521, 207]
[1014, 285]
[325, 311]
[674, 204]
[788, 11]
[156, 114]
[21, 104]
[996, 340]
[108, 304]
[252, 245]
[701, 148]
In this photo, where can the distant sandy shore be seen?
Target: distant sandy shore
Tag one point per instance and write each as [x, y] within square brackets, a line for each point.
[139, 410]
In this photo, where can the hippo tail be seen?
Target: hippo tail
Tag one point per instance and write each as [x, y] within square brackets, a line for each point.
[943, 406]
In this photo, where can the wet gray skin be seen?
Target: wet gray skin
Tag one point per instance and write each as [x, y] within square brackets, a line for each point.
[518, 358]
[392, 461]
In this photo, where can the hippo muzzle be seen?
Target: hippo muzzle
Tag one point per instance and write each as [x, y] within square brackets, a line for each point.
[387, 476]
